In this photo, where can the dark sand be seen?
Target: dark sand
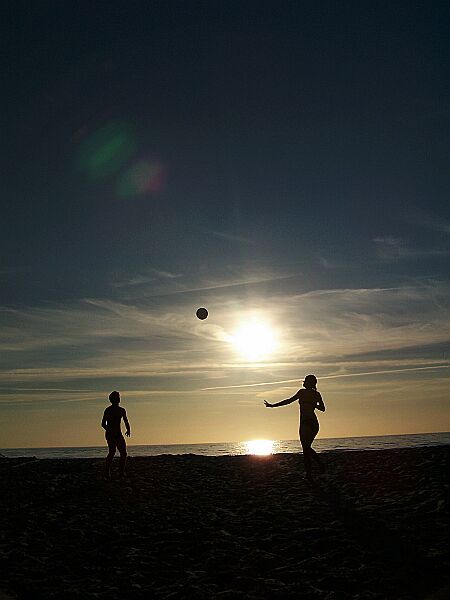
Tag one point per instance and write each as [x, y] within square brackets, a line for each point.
[375, 526]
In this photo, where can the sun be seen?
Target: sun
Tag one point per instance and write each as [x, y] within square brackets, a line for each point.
[254, 340]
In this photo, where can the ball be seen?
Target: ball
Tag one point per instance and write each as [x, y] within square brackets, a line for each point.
[201, 313]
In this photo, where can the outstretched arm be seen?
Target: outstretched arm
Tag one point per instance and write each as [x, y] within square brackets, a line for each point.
[127, 424]
[320, 405]
[282, 402]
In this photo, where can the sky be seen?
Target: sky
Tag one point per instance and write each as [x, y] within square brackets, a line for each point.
[283, 164]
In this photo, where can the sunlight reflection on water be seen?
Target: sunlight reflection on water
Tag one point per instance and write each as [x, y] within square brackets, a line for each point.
[259, 447]
[239, 448]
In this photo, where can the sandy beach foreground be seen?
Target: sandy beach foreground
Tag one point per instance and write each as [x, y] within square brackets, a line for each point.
[374, 526]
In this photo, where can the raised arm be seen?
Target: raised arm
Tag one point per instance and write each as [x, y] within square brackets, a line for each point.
[282, 402]
[127, 424]
[320, 405]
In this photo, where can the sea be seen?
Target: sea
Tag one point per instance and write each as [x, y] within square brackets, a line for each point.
[347, 444]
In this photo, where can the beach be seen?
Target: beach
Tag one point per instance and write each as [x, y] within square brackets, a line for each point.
[374, 526]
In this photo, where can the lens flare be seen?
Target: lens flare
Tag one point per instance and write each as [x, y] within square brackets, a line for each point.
[145, 177]
[106, 150]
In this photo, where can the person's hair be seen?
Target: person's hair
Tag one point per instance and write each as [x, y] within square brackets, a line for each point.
[310, 382]
[114, 397]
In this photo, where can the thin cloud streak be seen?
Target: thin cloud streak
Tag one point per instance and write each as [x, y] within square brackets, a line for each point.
[340, 375]
[142, 279]
[391, 249]
[220, 286]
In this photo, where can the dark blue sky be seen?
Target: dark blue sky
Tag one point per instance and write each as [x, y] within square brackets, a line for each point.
[308, 128]
[303, 146]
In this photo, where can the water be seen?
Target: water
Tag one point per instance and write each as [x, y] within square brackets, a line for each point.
[234, 448]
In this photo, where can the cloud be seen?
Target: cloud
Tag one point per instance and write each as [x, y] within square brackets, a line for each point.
[361, 320]
[156, 283]
[151, 276]
[160, 345]
[137, 280]
[338, 376]
[392, 249]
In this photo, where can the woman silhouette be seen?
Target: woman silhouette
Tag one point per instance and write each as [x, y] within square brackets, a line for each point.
[309, 399]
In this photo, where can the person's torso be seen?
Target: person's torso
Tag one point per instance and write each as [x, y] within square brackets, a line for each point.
[307, 401]
[113, 417]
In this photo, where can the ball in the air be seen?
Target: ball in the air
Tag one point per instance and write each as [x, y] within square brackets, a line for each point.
[201, 313]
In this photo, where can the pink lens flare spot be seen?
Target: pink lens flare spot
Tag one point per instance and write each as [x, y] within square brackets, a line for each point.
[144, 177]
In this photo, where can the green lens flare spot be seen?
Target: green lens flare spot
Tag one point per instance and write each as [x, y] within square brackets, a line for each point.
[106, 150]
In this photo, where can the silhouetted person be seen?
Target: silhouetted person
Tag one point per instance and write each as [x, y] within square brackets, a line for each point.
[309, 399]
[111, 422]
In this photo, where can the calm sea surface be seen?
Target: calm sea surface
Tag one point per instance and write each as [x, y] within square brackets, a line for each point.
[234, 448]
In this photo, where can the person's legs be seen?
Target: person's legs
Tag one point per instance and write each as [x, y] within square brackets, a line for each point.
[307, 458]
[308, 432]
[112, 450]
[122, 447]
[318, 460]
[314, 455]
[306, 439]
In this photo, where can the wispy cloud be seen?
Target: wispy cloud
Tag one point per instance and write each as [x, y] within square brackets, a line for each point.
[152, 275]
[218, 285]
[391, 249]
[338, 376]
[137, 280]
[336, 332]
[157, 283]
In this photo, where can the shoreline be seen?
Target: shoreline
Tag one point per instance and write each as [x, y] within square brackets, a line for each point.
[192, 526]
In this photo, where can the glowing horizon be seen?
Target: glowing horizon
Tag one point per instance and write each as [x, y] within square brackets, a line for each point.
[182, 381]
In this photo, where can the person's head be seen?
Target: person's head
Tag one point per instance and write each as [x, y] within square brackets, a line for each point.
[310, 382]
[114, 398]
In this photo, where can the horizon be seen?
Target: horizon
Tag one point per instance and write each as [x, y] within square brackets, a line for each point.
[130, 445]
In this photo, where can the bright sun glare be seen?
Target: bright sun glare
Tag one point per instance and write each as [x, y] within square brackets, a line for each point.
[254, 340]
[259, 447]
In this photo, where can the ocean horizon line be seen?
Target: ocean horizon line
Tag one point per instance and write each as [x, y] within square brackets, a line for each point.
[243, 447]
[243, 441]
